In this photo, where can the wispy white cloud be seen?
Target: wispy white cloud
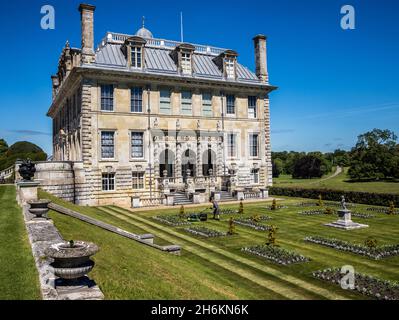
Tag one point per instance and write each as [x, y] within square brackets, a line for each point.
[354, 111]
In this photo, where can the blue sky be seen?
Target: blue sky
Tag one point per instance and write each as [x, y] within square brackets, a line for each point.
[334, 84]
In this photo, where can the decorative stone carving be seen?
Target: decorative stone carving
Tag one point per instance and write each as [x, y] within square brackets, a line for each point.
[72, 259]
[27, 170]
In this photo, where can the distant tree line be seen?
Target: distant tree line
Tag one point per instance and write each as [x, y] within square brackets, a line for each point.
[375, 156]
[19, 150]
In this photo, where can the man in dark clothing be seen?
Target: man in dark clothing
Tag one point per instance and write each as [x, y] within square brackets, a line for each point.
[216, 211]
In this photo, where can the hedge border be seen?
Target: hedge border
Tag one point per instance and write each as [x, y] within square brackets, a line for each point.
[376, 199]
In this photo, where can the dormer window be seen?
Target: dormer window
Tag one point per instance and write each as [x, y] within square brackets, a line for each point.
[136, 56]
[186, 63]
[133, 50]
[182, 56]
[230, 68]
[226, 62]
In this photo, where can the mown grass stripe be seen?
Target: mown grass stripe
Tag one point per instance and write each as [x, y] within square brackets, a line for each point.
[294, 280]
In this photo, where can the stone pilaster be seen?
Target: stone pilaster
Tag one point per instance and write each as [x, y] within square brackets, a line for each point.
[199, 158]
[268, 149]
[178, 161]
[219, 157]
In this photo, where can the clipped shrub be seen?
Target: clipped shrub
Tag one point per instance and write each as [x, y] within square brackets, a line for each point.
[329, 211]
[391, 209]
[320, 202]
[274, 205]
[232, 227]
[375, 199]
[241, 208]
[181, 213]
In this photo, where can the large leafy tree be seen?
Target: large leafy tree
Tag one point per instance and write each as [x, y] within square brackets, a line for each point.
[375, 156]
[312, 165]
[3, 147]
[277, 167]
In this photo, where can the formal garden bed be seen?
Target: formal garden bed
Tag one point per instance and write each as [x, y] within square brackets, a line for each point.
[364, 284]
[373, 252]
[250, 223]
[172, 220]
[362, 215]
[381, 210]
[205, 232]
[312, 212]
[275, 254]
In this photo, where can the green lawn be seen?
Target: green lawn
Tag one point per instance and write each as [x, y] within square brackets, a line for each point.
[339, 182]
[18, 275]
[216, 268]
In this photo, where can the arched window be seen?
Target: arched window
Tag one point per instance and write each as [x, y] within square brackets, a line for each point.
[166, 162]
[208, 162]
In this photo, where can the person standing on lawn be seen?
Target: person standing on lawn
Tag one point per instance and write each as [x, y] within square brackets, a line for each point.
[215, 208]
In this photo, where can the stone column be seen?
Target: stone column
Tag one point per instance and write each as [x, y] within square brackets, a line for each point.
[219, 157]
[199, 158]
[178, 162]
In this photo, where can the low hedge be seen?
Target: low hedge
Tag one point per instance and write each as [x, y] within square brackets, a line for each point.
[375, 199]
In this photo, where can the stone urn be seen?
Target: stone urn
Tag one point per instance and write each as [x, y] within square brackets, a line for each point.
[72, 259]
[27, 170]
[39, 208]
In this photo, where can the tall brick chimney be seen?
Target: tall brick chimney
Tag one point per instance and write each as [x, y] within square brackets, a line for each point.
[261, 57]
[87, 23]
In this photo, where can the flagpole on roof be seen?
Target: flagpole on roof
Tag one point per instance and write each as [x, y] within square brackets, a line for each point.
[181, 27]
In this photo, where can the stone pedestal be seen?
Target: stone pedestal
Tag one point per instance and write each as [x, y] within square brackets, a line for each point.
[345, 221]
[170, 199]
[264, 193]
[136, 202]
[26, 191]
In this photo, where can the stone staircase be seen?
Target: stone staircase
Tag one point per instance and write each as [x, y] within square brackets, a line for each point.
[181, 199]
[226, 196]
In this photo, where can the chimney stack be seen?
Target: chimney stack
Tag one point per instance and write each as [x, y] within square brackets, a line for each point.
[261, 58]
[87, 23]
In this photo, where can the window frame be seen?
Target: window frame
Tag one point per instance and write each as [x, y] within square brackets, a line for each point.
[108, 178]
[233, 146]
[162, 101]
[138, 52]
[132, 132]
[138, 180]
[182, 103]
[113, 145]
[134, 100]
[255, 176]
[230, 107]
[251, 147]
[252, 105]
[206, 103]
[186, 63]
[104, 98]
[230, 68]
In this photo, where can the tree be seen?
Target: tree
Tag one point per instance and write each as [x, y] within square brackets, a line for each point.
[311, 166]
[3, 147]
[21, 150]
[375, 156]
[278, 165]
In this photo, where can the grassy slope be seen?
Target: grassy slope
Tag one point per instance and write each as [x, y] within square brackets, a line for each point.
[18, 275]
[340, 182]
[216, 268]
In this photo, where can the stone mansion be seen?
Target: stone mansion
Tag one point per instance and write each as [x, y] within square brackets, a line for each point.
[145, 121]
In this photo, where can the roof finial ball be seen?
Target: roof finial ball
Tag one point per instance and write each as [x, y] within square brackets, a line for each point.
[143, 32]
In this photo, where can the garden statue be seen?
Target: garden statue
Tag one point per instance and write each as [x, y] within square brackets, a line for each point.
[27, 170]
[343, 203]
